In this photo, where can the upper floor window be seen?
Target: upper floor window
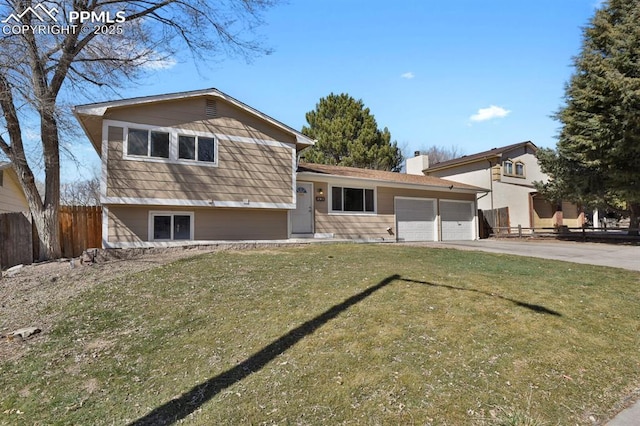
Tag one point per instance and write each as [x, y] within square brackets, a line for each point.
[148, 143]
[198, 148]
[511, 168]
[170, 145]
[352, 200]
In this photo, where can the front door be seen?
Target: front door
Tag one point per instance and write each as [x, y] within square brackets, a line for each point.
[302, 216]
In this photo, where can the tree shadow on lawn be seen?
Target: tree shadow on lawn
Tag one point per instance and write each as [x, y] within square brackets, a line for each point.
[187, 403]
[536, 308]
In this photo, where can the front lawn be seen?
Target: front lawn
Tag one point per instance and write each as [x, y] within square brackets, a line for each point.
[337, 334]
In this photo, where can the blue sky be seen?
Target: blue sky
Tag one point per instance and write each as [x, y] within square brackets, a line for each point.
[470, 74]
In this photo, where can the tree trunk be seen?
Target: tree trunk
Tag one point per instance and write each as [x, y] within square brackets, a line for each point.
[48, 227]
[48, 224]
[634, 223]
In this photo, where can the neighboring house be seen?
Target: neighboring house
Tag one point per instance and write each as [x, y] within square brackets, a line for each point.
[12, 197]
[202, 166]
[509, 172]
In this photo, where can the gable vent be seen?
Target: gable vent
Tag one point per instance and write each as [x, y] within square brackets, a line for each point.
[211, 109]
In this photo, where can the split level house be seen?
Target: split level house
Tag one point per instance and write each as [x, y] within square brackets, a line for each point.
[201, 166]
[509, 173]
[12, 198]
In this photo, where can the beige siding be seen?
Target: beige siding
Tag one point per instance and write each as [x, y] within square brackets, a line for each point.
[543, 213]
[12, 197]
[259, 173]
[571, 215]
[386, 197]
[240, 224]
[131, 224]
[128, 224]
[370, 226]
[190, 114]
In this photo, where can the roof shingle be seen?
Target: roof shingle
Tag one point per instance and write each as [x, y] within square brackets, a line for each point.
[384, 176]
[492, 153]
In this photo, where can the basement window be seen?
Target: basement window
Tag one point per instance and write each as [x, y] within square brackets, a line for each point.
[170, 226]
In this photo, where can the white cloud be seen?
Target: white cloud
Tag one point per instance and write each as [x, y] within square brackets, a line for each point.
[490, 113]
[159, 63]
[408, 75]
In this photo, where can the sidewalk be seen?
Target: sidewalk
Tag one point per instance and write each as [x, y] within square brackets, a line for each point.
[628, 417]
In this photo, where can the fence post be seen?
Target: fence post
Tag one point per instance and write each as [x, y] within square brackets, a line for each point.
[519, 231]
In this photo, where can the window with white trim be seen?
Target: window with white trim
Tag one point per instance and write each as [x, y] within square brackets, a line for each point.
[170, 226]
[148, 143]
[197, 148]
[170, 145]
[357, 200]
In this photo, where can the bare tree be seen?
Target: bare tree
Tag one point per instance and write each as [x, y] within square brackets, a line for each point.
[53, 52]
[438, 154]
[81, 193]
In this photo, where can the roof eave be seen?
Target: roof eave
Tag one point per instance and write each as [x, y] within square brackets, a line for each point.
[100, 109]
[461, 163]
[412, 185]
[471, 159]
[80, 117]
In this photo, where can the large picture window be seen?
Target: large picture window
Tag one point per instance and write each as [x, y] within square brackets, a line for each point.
[170, 226]
[352, 200]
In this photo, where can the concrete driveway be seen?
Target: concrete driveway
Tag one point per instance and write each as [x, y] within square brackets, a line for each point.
[614, 255]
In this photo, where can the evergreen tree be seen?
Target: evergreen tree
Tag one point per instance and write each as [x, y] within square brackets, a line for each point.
[347, 135]
[597, 157]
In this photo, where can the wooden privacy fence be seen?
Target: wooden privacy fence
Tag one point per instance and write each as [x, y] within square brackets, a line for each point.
[493, 221]
[80, 229]
[16, 239]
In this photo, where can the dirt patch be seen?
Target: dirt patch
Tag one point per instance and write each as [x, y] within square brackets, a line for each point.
[29, 295]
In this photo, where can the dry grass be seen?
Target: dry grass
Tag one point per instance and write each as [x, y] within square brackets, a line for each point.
[337, 334]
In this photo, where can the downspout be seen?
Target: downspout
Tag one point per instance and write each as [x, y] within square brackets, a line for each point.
[493, 215]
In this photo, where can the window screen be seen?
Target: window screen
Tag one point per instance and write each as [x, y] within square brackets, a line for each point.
[187, 147]
[138, 141]
[162, 227]
[181, 227]
[160, 144]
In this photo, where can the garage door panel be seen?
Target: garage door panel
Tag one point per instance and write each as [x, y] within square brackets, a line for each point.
[415, 219]
[457, 220]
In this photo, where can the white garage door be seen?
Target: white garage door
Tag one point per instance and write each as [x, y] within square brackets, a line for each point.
[416, 219]
[457, 220]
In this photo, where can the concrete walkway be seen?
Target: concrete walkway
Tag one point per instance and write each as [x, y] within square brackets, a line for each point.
[613, 255]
